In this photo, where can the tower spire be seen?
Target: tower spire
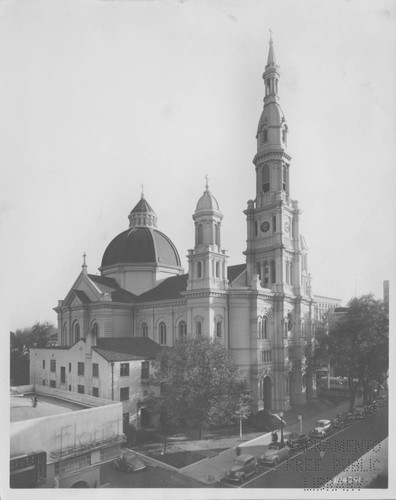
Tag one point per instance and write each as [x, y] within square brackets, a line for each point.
[84, 265]
[271, 53]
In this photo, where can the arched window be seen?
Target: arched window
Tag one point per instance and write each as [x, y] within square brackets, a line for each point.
[200, 234]
[259, 328]
[76, 332]
[217, 269]
[258, 270]
[64, 334]
[284, 134]
[265, 135]
[303, 329]
[199, 269]
[217, 234]
[95, 329]
[266, 179]
[218, 328]
[182, 329]
[162, 333]
[273, 272]
[198, 328]
[144, 330]
[264, 332]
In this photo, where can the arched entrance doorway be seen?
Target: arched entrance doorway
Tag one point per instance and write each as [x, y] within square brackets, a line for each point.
[267, 393]
[80, 484]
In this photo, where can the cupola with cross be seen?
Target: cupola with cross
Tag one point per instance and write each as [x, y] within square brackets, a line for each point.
[207, 261]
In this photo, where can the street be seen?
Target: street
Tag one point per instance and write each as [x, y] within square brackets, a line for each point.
[324, 459]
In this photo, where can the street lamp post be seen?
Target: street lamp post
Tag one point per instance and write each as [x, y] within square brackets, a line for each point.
[281, 416]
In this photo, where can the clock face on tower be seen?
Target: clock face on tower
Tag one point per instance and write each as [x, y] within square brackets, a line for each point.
[265, 226]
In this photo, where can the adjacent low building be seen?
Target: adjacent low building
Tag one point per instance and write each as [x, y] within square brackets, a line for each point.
[63, 441]
[116, 369]
[323, 305]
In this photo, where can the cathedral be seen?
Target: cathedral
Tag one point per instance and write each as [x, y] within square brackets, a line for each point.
[261, 309]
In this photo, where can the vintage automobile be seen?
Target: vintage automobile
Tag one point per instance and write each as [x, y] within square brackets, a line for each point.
[275, 453]
[129, 462]
[361, 412]
[322, 429]
[243, 467]
[343, 420]
[297, 442]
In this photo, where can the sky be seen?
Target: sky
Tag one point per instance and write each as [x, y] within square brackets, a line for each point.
[98, 97]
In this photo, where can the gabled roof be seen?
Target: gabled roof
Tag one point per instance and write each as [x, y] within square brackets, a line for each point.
[170, 288]
[122, 295]
[82, 296]
[103, 283]
[124, 348]
[234, 271]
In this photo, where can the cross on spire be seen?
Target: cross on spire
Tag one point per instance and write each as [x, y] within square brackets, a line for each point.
[84, 266]
[271, 33]
[142, 186]
[207, 182]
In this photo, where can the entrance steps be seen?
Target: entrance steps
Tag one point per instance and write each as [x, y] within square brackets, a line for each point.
[310, 409]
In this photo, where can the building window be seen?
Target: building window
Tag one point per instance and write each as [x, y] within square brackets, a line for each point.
[266, 273]
[69, 387]
[218, 328]
[43, 382]
[52, 383]
[264, 332]
[200, 234]
[95, 392]
[43, 364]
[290, 353]
[217, 269]
[124, 370]
[217, 234]
[199, 269]
[284, 135]
[124, 393]
[274, 223]
[95, 329]
[273, 272]
[265, 135]
[198, 328]
[258, 270]
[80, 389]
[69, 367]
[63, 375]
[64, 334]
[255, 228]
[53, 365]
[303, 329]
[162, 333]
[80, 368]
[95, 370]
[76, 332]
[284, 176]
[285, 328]
[261, 392]
[145, 369]
[182, 329]
[266, 179]
[144, 330]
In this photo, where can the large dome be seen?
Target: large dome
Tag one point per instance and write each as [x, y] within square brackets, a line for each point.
[138, 245]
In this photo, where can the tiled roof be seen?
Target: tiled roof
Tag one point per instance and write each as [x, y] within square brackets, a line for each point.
[234, 271]
[168, 289]
[122, 295]
[103, 283]
[82, 296]
[117, 356]
[134, 347]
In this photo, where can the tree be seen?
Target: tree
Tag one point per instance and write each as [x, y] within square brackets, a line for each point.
[201, 384]
[356, 343]
[39, 335]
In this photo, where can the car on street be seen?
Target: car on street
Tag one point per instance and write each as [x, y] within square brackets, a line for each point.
[322, 429]
[129, 462]
[243, 467]
[373, 405]
[343, 420]
[274, 454]
[361, 412]
[297, 442]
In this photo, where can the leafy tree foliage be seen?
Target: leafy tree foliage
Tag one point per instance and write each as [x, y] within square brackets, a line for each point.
[39, 335]
[201, 384]
[356, 343]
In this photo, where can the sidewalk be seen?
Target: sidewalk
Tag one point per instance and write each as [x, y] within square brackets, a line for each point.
[213, 469]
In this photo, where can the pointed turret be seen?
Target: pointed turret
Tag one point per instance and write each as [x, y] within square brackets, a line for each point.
[142, 214]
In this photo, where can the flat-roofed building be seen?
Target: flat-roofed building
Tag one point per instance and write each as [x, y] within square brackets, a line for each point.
[323, 304]
[62, 440]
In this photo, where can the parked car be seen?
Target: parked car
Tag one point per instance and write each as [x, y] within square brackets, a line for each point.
[129, 462]
[322, 428]
[382, 401]
[243, 467]
[373, 405]
[361, 412]
[275, 453]
[297, 442]
[343, 420]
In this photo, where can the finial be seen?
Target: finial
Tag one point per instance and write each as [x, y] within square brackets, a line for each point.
[142, 186]
[271, 33]
[84, 266]
[207, 182]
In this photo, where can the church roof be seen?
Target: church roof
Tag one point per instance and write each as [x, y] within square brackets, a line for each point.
[170, 288]
[82, 296]
[142, 206]
[103, 283]
[139, 245]
[234, 271]
[127, 348]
